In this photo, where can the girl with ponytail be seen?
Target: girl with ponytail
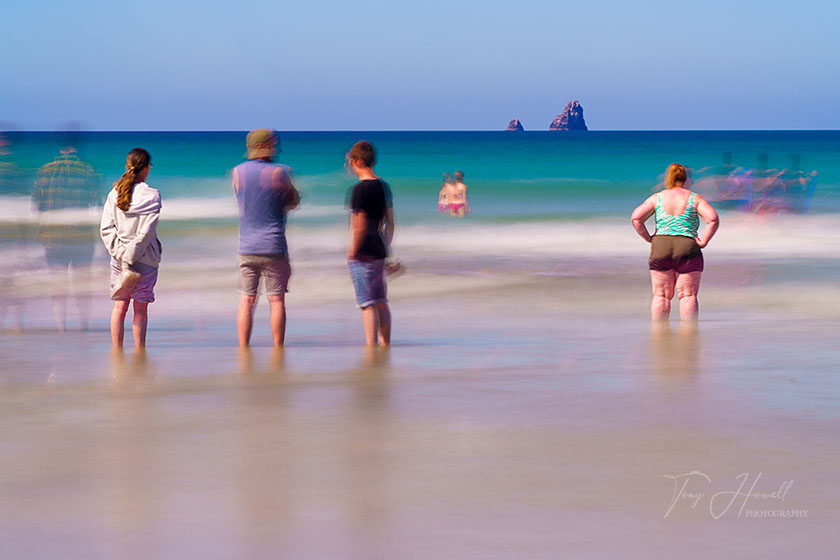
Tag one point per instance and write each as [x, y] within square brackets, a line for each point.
[129, 231]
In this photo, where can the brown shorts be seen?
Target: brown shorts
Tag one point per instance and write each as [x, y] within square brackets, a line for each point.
[275, 269]
[675, 252]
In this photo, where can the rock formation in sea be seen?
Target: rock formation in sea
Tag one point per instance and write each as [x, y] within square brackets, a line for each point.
[570, 119]
[515, 125]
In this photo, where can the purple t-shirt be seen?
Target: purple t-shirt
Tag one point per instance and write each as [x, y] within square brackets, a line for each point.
[262, 208]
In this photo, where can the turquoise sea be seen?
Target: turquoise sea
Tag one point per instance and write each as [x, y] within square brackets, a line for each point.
[512, 176]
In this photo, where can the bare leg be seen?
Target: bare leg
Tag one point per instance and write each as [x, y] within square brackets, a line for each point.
[663, 291]
[277, 318]
[370, 319]
[84, 299]
[59, 282]
[118, 322]
[139, 324]
[688, 285]
[59, 305]
[245, 319]
[384, 315]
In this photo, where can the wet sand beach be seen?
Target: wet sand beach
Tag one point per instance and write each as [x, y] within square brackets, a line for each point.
[527, 409]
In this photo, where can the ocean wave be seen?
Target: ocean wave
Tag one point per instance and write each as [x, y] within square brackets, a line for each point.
[317, 228]
[18, 209]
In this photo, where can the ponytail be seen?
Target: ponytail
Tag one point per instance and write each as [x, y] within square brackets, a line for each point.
[138, 159]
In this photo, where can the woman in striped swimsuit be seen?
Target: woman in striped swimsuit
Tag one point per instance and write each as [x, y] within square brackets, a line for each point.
[676, 261]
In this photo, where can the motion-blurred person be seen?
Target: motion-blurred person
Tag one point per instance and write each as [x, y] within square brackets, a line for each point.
[676, 259]
[763, 178]
[65, 189]
[13, 242]
[459, 205]
[443, 195]
[723, 185]
[371, 232]
[129, 231]
[265, 192]
[790, 191]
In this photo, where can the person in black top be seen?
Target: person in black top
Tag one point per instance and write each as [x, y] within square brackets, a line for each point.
[371, 231]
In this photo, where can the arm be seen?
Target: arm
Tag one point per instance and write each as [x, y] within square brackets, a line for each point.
[108, 230]
[38, 191]
[358, 221]
[146, 234]
[710, 216]
[283, 181]
[388, 226]
[640, 215]
[235, 180]
[466, 201]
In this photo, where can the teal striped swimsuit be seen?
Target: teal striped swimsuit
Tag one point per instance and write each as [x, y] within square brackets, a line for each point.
[686, 224]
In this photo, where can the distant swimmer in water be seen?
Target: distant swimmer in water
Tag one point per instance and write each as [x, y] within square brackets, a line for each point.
[676, 260]
[443, 196]
[458, 203]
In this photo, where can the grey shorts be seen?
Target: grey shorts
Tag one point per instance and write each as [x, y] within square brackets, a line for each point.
[144, 291]
[274, 269]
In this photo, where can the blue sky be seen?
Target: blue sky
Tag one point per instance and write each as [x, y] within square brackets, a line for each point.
[432, 65]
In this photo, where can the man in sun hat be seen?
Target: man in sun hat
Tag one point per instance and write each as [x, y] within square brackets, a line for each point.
[265, 192]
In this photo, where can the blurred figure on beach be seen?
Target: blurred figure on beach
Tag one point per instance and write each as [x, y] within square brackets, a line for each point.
[459, 205]
[129, 232]
[443, 195]
[265, 192]
[370, 234]
[676, 259]
[790, 190]
[64, 192]
[762, 178]
[453, 195]
[14, 257]
[724, 185]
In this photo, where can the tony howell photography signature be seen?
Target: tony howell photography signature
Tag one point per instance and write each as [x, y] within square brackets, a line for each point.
[744, 496]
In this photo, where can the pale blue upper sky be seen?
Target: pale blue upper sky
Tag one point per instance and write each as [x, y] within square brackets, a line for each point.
[432, 65]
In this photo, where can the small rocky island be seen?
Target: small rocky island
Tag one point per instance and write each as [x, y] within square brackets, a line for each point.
[515, 125]
[570, 119]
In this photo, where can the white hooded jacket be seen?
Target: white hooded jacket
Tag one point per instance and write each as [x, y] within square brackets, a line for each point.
[131, 237]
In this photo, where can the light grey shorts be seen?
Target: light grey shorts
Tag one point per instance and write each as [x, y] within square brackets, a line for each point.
[144, 291]
[274, 269]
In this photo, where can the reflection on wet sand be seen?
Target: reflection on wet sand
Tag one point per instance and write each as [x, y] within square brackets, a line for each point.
[675, 354]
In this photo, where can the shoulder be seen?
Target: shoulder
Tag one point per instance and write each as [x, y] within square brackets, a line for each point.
[148, 192]
[48, 167]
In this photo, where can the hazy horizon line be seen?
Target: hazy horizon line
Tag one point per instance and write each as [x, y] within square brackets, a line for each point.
[245, 130]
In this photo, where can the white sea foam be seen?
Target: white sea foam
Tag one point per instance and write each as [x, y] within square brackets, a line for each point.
[740, 235]
[17, 209]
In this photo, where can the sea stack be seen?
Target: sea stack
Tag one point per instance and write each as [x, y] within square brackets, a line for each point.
[515, 125]
[570, 119]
